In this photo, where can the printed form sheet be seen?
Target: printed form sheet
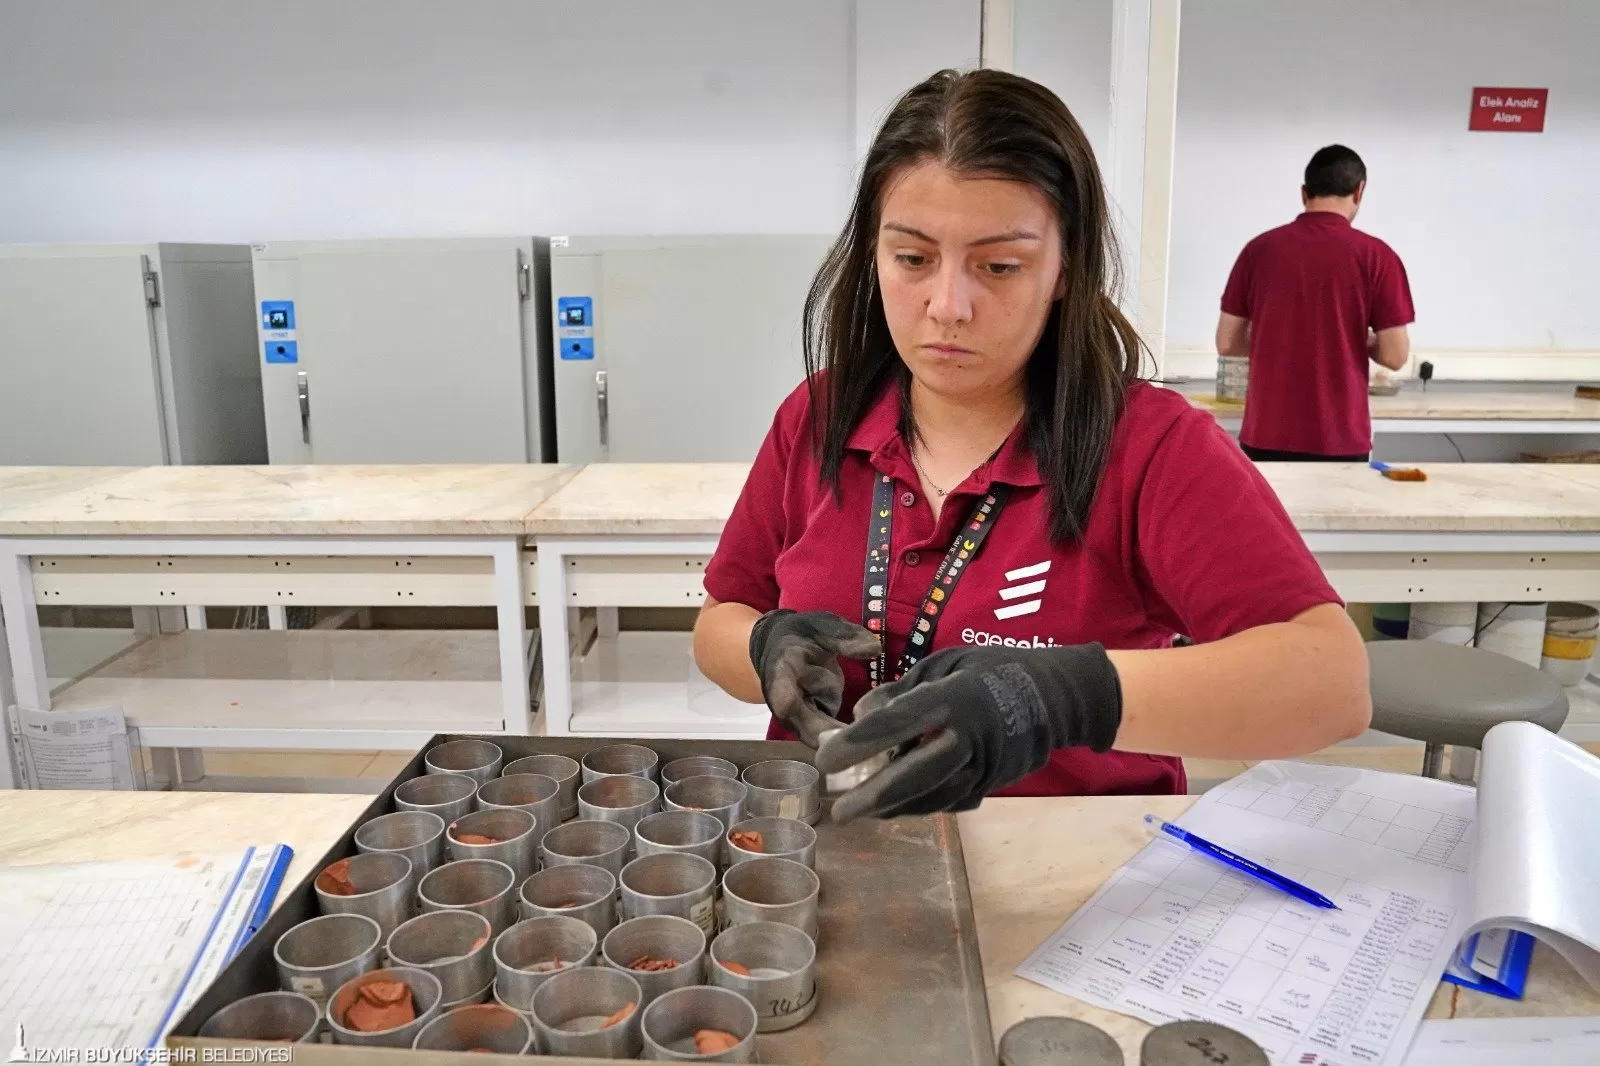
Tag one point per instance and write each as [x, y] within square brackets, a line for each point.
[1175, 934]
[1497, 1041]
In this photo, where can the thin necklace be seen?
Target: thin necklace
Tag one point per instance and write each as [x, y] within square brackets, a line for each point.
[942, 493]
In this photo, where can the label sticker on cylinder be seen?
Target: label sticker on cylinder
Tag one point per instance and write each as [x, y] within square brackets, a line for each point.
[789, 807]
[308, 986]
[704, 914]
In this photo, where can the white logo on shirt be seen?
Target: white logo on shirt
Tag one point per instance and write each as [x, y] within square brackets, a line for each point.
[1024, 587]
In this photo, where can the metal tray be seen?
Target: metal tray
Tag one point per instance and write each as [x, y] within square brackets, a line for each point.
[898, 974]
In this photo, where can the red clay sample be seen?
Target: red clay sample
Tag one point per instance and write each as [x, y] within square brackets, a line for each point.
[381, 1005]
[749, 840]
[651, 965]
[335, 880]
[713, 1041]
[620, 1016]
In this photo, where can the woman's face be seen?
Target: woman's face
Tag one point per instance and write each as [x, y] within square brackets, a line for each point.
[968, 269]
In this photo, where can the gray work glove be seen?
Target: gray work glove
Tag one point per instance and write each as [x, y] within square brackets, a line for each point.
[796, 655]
[967, 721]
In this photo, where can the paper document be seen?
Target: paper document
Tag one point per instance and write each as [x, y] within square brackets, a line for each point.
[1497, 1041]
[1538, 868]
[88, 749]
[1175, 934]
[111, 954]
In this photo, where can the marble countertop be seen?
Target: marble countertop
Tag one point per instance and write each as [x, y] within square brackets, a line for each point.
[1444, 403]
[1456, 498]
[422, 500]
[686, 499]
[1320, 497]
[642, 498]
[60, 827]
[1030, 864]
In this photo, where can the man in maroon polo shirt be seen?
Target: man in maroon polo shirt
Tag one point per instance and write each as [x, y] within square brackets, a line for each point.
[1310, 303]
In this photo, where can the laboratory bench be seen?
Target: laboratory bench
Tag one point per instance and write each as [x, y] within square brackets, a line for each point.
[1030, 864]
[170, 541]
[577, 545]
[1457, 421]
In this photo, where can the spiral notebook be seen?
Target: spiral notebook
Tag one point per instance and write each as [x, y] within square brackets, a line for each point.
[111, 954]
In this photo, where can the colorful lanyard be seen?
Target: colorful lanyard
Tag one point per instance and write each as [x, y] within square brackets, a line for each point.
[875, 584]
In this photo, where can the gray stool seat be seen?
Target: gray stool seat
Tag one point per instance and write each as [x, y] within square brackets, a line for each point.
[1447, 694]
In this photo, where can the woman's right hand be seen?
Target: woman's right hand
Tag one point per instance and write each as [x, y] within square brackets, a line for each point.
[796, 656]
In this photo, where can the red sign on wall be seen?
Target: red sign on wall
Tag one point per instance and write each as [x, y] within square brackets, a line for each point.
[1508, 110]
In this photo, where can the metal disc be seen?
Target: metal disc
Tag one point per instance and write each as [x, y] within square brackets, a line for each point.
[1199, 1044]
[1058, 1042]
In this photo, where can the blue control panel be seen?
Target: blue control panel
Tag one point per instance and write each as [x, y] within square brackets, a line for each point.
[278, 341]
[575, 327]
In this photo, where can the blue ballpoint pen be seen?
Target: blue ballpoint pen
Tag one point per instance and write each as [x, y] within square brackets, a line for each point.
[1242, 864]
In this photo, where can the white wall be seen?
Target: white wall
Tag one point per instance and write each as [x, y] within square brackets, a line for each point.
[1066, 46]
[1498, 231]
[228, 121]
[900, 42]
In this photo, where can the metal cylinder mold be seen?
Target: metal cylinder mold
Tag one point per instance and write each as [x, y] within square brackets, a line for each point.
[477, 759]
[660, 951]
[587, 893]
[315, 957]
[772, 965]
[591, 1012]
[620, 760]
[702, 1024]
[425, 1000]
[447, 795]
[565, 772]
[602, 844]
[453, 945]
[482, 886]
[771, 890]
[418, 835]
[279, 1016]
[535, 950]
[783, 788]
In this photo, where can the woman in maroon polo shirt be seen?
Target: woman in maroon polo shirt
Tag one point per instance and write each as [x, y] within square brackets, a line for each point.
[979, 531]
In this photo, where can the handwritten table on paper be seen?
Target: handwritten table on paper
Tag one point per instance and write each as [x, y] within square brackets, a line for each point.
[1175, 934]
[93, 960]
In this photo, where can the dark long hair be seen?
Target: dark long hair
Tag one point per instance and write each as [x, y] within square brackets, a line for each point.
[986, 123]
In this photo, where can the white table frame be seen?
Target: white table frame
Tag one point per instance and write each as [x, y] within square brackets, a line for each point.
[158, 571]
[1422, 567]
[1364, 567]
[1510, 427]
[607, 571]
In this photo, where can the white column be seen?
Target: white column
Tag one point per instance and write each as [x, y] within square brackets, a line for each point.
[1138, 164]
[516, 699]
[998, 47]
[555, 653]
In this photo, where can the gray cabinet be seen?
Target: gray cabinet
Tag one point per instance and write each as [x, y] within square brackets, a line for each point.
[675, 349]
[405, 351]
[128, 355]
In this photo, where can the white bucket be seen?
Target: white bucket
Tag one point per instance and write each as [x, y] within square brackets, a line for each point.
[1450, 623]
[1515, 630]
[1569, 642]
[1233, 377]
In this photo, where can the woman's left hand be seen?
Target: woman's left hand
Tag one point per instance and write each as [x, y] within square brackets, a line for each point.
[978, 719]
